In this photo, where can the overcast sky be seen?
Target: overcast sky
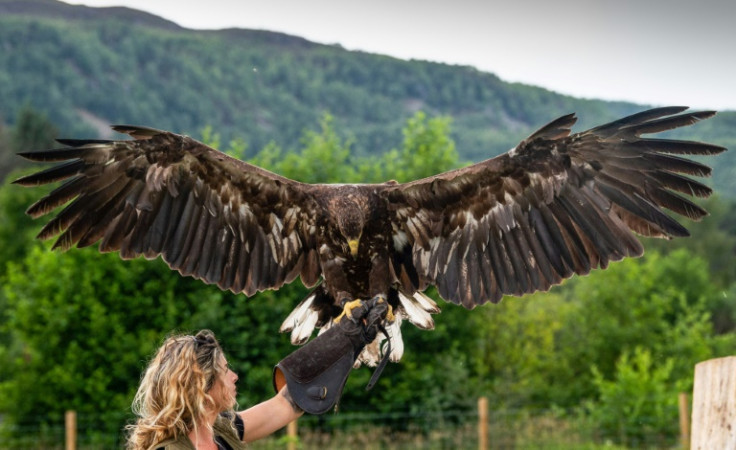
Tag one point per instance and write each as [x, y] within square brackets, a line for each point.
[659, 52]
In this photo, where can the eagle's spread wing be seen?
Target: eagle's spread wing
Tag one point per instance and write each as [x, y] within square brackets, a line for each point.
[556, 205]
[210, 216]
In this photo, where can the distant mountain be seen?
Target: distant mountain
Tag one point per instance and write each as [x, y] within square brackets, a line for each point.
[87, 67]
[53, 9]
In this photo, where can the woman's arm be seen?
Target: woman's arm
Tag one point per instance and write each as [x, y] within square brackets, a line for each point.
[335, 350]
[269, 416]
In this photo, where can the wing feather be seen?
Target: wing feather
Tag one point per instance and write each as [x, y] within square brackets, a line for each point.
[227, 279]
[198, 259]
[572, 239]
[156, 236]
[538, 252]
[519, 278]
[161, 194]
[107, 213]
[52, 174]
[182, 234]
[121, 227]
[528, 258]
[219, 257]
[558, 204]
[502, 266]
[557, 249]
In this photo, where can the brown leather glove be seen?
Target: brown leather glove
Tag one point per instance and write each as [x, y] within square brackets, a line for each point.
[316, 373]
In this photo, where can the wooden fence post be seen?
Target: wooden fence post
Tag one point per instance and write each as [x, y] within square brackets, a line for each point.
[70, 422]
[291, 431]
[714, 404]
[483, 423]
[684, 420]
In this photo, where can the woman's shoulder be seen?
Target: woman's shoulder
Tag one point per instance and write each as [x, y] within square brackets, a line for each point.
[180, 443]
[229, 427]
[174, 444]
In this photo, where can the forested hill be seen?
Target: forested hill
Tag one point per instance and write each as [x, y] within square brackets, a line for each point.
[87, 67]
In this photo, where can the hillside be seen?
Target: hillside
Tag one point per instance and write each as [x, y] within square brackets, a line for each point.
[86, 67]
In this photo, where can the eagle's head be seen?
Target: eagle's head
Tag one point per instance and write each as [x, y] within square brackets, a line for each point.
[349, 212]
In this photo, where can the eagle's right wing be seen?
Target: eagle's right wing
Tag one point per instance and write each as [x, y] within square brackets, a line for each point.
[208, 215]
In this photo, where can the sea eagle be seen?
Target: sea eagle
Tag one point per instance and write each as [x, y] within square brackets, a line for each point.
[557, 204]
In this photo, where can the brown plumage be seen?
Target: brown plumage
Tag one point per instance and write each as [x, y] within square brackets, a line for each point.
[556, 205]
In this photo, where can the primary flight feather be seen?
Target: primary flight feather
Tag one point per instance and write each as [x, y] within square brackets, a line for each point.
[557, 204]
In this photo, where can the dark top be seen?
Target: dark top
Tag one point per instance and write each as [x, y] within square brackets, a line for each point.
[239, 427]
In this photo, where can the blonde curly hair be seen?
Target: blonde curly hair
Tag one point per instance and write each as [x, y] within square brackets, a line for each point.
[173, 396]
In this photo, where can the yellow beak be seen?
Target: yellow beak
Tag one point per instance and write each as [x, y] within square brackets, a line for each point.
[353, 243]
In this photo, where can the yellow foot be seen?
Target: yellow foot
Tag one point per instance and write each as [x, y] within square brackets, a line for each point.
[347, 310]
[389, 313]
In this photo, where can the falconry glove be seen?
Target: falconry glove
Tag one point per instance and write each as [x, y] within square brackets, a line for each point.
[316, 373]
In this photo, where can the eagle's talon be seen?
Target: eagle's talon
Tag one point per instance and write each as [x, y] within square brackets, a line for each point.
[347, 310]
[377, 300]
[388, 316]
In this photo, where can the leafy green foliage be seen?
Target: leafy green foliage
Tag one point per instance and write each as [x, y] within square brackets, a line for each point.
[82, 322]
[324, 158]
[656, 302]
[428, 150]
[638, 402]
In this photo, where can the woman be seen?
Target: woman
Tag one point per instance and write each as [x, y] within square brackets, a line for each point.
[187, 396]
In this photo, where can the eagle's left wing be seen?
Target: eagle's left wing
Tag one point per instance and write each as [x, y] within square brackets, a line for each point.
[556, 205]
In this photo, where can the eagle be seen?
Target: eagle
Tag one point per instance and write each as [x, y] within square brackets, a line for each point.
[558, 204]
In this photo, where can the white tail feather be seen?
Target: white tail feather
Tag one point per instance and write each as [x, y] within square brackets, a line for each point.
[301, 333]
[301, 321]
[414, 310]
[426, 302]
[397, 341]
[417, 309]
[297, 314]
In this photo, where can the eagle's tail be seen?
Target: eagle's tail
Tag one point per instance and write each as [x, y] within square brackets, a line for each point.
[318, 309]
[418, 310]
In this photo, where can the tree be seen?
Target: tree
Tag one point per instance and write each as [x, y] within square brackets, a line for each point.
[32, 131]
[427, 150]
[17, 230]
[81, 324]
[631, 342]
[639, 402]
[323, 158]
[713, 239]
[656, 300]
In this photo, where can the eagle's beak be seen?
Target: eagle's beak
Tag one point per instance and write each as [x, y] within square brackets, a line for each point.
[353, 243]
